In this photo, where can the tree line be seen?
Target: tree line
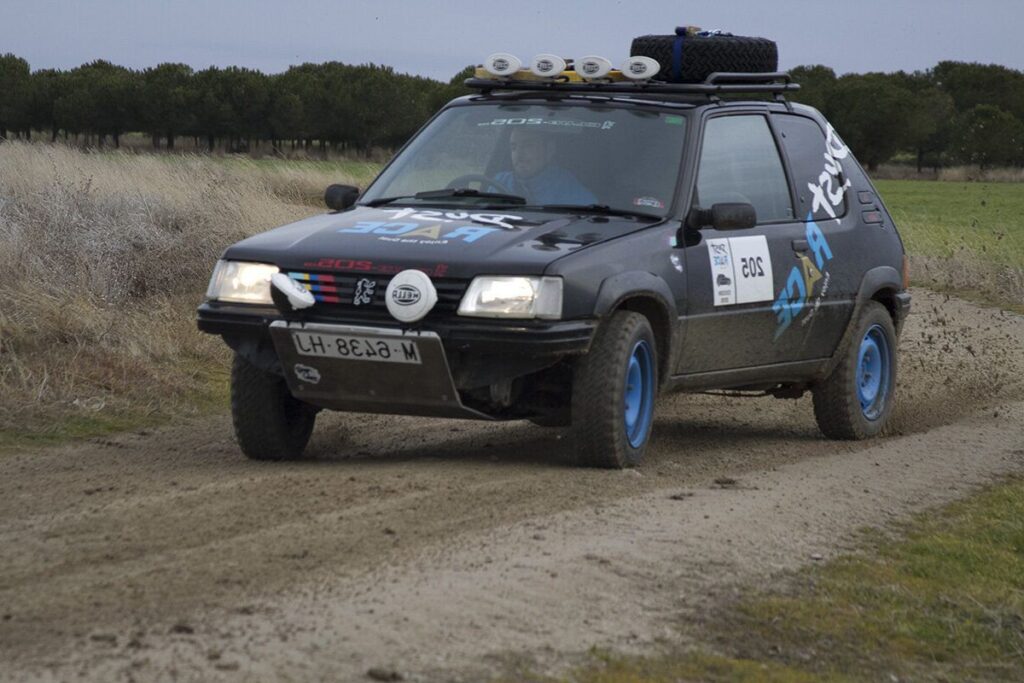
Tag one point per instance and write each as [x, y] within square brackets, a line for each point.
[347, 107]
[954, 113]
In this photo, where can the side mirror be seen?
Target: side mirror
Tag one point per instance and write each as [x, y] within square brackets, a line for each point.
[724, 216]
[340, 197]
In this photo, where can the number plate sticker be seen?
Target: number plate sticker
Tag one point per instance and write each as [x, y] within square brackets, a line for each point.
[350, 347]
[753, 264]
[741, 270]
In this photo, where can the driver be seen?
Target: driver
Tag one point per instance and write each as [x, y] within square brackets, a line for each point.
[535, 177]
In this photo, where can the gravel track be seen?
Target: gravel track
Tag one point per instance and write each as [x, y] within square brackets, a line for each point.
[447, 549]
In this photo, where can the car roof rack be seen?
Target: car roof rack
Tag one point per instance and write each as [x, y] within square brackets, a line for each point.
[718, 83]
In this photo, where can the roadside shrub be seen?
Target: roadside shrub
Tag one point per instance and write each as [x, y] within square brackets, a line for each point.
[105, 257]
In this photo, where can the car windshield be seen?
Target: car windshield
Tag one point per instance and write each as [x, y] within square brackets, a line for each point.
[564, 155]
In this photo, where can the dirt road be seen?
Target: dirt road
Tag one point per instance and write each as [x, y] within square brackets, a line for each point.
[443, 549]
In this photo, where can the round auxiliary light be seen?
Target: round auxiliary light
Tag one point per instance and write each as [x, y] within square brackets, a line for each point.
[410, 296]
[502, 64]
[547, 66]
[640, 68]
[593, 67]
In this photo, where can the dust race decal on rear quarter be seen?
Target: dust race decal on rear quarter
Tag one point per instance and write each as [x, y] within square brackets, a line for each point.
[741, 270]
[799, 288]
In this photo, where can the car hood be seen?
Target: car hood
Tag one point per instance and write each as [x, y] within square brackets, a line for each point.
[443, 242]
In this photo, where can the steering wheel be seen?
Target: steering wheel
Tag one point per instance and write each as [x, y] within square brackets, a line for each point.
[485, 181]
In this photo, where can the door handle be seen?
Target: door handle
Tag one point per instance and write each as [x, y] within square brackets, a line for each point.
[800, 245]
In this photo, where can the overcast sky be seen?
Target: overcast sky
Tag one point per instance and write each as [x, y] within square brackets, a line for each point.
[439, 37]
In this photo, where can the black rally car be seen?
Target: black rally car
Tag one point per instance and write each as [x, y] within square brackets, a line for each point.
[563, 251]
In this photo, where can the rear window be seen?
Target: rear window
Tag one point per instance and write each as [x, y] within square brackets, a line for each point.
[819, 188]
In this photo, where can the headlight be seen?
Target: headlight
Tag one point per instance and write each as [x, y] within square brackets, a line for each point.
[494, 296]
[247, 283]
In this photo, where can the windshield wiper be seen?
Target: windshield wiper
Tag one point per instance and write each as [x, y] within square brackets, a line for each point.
[601, 210]
[468, 192]
[448, 193]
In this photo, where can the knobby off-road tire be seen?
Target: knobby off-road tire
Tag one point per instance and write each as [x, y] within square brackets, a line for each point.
[701, 56]
[270, 424]
[856, 400]
[616, 380]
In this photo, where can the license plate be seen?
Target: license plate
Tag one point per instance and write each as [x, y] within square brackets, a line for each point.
[379, 349]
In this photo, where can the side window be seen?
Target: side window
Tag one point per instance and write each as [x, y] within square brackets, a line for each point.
[740, 163]
[816, 168]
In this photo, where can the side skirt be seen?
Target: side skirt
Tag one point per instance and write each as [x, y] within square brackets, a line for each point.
[758, 376]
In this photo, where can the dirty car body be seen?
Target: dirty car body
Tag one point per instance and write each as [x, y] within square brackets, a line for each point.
[639, 214]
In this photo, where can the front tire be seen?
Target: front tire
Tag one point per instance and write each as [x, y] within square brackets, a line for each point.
[613, 393]
[856, 400]
[270, 423]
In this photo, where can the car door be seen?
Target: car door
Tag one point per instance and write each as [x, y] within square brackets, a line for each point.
[735, 277]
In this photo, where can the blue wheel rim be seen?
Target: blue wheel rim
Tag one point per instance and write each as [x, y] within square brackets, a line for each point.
[874, 372]
[639, 394]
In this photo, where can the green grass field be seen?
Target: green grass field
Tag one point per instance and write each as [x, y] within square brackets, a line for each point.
[946, 219]
[963, 238]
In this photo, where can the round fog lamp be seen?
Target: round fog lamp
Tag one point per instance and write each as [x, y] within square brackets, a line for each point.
[547, 66]
[410, 296]
[640, 68]
[502, 64]
[593, 67]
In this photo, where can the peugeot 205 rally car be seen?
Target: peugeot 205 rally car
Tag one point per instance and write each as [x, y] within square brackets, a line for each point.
[564, 245]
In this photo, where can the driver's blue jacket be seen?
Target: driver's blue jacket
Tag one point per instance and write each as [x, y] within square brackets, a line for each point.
[553, 185]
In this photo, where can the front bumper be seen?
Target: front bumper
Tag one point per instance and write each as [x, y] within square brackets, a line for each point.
[460, 336]
[424, 387]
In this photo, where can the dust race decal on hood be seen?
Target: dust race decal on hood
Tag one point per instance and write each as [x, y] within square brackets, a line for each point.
[827, 195]
[437, 227]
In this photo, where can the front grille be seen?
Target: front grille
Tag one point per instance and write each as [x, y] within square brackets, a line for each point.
[335, 294]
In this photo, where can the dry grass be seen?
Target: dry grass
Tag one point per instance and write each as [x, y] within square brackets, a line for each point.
[104, 258]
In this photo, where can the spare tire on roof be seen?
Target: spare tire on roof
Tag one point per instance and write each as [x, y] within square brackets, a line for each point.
[690, 58]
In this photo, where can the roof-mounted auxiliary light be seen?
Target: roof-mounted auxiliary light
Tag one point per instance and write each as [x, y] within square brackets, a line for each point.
[640, 68]
[592, 67]
[502, 64]
[547, 66]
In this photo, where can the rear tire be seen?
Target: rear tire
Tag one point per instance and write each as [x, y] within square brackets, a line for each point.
[856, 400]
[613, 393]
[270, 423]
